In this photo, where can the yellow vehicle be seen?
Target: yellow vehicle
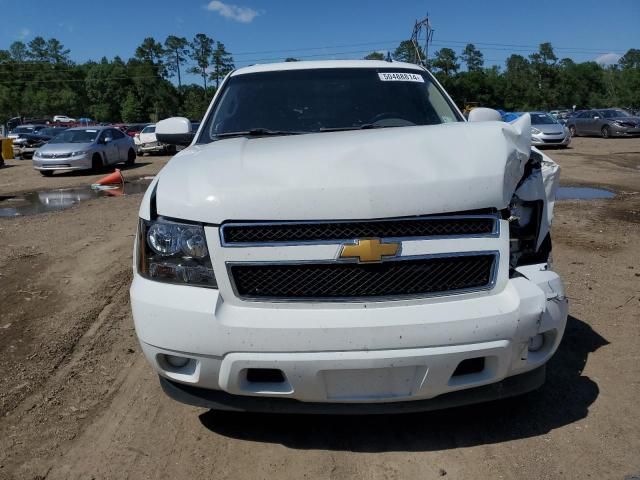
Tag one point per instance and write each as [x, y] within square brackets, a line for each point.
[468, 106]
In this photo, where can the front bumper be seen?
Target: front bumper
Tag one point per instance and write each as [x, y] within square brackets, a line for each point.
[82, 162]
[151, 147]
[219, 400]
[356, 354]
[624, 131]
[545, 140]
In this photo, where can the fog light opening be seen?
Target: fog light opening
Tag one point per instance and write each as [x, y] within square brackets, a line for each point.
[536, 342]
[469, 366]
[265, 375]
[175, 361]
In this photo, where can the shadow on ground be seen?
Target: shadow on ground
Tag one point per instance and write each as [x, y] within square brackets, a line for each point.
[564, 399]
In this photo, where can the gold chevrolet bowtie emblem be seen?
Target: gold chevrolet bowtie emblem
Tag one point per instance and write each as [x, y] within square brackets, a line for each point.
[369, 250]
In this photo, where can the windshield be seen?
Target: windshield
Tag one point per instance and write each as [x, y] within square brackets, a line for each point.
[76, 136]
[23, 130]
[542, 119]
[614, 113]
[50, 132]
[304, 101]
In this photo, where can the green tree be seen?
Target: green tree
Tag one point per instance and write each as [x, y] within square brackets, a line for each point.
[222, 63]
[56, 52]
[631, 59]
[519, 83]
[151, 52]
[132, 110]
[375, 56]
[19, 51]
[176, 50]
[545, 70]
[473, 58]
[407, 52]
[38, 51]
[201, 50]
[446, 61]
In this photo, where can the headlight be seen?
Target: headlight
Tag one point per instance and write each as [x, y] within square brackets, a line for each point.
[78, 154]
[173, 252]
[37, 153]
[524, 226]
[535, 131]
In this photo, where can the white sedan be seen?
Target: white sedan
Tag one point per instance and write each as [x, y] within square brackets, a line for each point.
[146, 142]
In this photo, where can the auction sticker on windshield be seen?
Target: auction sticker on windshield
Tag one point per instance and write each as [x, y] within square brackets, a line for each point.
[400, 77]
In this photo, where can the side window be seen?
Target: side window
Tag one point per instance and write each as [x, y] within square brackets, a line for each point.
[584, 115]
[595, 114]
[116, 134]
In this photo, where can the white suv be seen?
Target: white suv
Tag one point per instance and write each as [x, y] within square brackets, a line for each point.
[336, 238]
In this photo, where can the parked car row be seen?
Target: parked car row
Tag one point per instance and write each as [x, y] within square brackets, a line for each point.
[608, 122]
[55, 147]
[558, 126]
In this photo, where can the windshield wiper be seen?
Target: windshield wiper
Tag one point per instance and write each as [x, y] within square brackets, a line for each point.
[364, 126]
[257, 132]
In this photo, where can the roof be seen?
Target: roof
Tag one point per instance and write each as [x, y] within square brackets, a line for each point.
[92, 127]
[307, 65]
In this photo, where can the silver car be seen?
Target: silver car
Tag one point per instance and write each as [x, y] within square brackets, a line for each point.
[84, 148]
[608, 122]
[546, 131]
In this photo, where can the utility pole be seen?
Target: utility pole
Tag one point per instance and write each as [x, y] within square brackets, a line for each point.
[422, 32]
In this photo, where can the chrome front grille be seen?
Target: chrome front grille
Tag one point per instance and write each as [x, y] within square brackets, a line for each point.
[256, 233]
[352, 277]
[396, 278]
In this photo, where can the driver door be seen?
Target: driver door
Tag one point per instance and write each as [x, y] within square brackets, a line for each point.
[594, 122]
[109, 148]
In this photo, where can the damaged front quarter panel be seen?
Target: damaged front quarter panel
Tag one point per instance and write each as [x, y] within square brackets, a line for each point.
[532, 185]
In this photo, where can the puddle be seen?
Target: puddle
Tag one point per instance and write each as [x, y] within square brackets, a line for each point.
[583, 193]
[35, 203]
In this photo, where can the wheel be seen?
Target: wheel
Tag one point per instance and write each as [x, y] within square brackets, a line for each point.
[96, 163]
[572, 131]
[131, 157]
[140, 154]
[46, 173]
[606, 132]
[170, 150]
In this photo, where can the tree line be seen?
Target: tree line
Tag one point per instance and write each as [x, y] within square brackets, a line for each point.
[540, 81]
[39, 79]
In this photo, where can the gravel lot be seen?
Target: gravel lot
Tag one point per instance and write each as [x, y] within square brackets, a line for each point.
[77, 399]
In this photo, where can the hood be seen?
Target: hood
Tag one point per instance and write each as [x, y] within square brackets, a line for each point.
[64, 147]
[360, 174]
[553, 128]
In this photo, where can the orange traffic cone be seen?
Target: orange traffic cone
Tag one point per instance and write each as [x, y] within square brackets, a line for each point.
[112, 178]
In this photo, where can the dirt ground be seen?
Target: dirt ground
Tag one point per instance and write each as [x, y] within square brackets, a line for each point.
[77, 399]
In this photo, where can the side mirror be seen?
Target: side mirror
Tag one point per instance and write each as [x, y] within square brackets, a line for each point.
[481, 114]
[175, 131]
[107, 139]
[596, 117]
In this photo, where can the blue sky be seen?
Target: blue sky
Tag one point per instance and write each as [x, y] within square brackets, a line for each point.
[259, 31]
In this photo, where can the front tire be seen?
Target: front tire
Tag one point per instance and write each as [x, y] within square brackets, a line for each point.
[606, 132]
[96, 163]
[131, 157]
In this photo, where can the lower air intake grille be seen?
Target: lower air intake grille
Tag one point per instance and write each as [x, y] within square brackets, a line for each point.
[330, 281]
